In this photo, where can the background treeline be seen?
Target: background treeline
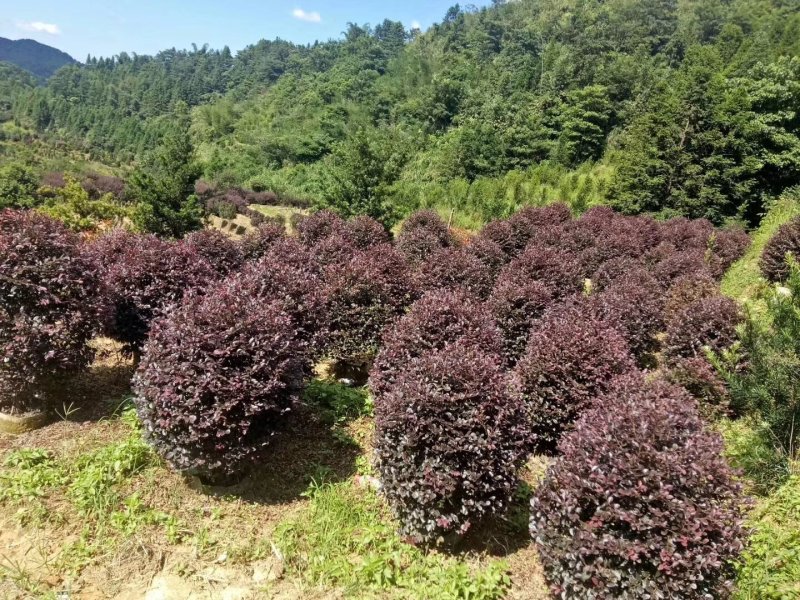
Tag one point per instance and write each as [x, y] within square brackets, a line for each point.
[669, 107]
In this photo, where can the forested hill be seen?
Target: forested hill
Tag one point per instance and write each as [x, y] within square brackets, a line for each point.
[39, 59]
[671, 107]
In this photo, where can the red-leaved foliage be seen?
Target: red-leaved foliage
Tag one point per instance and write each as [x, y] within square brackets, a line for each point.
[364, 295]
[141, 276]
[571, 358]
[448, 441]
[49, 308]
[220, 251]
[641, 503]
[786, 241]
[437, 319]
[217, 376]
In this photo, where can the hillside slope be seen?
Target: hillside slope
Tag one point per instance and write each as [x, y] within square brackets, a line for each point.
[655, 107]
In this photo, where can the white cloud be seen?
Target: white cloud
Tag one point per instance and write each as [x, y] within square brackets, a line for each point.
[311, 17]
[39, 27]
[415, 25]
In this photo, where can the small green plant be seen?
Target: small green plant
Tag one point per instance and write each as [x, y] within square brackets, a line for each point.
[345, 539]
[338, 402]
[97, 474]
[28, 475]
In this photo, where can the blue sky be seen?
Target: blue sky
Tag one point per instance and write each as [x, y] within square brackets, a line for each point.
[82, 27]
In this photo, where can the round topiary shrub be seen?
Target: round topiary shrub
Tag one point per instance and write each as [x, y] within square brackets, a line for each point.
[706, 323]
[786, 241]
[687, 234]
[289, 275]
[216, 378]
[679, 264]
[558, 269]
[334, 249]
[220, 251]
[633, 303]
[421, 234]
[319, 225]
[641, 503]
[437, 319]
[611, 270]
[49, 309]
[448, 441]
[686, 290]
[698, 377]
[571, 358]
[516, 305]
[726, 246]
[141, 276]
[258, 242]
[454, 268]
[365, 232]
[363, 295]
[488, 252]
[501, 233]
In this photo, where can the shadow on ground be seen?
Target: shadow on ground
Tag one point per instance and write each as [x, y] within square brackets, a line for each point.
[306, 450]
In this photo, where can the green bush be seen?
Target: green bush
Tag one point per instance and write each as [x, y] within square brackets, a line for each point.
[769, 386]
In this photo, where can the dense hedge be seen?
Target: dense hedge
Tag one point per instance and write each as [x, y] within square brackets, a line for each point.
[220, 251]
[571, 358]
[640, 504]
[216, 378]
[708, 322]
[439, 318]
[773, 260]
[141, 276]
[49, 308]
[363, 295]
[448, 441]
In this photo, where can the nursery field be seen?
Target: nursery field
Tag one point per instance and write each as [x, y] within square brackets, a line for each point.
[556, 405]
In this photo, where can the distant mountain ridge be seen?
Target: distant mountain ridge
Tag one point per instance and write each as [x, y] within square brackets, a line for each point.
[40, 59]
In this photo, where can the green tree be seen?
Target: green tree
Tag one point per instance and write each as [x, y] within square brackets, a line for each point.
[18, 185]
[164, 188]
[361, 171]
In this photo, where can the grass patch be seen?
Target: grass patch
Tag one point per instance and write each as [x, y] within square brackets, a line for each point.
[751, 447]
[346, 539]
[770, 567]
[743, 280]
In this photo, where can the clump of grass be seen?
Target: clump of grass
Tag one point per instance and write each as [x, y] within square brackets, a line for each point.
[770, 566]
[337, 402]
[743, 280]
[345, 539]
[96, 476]
[751, 447]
